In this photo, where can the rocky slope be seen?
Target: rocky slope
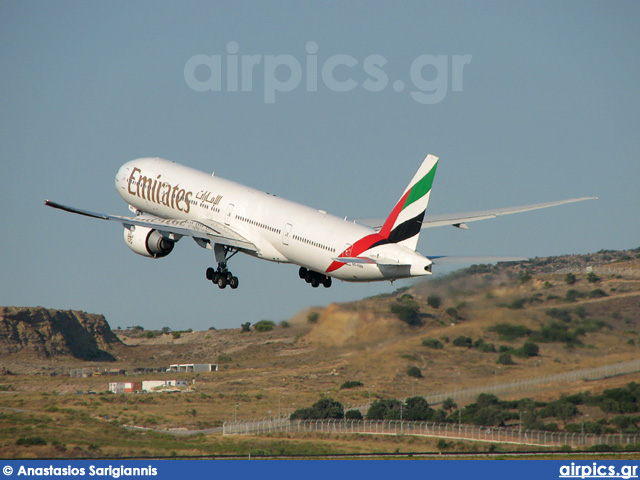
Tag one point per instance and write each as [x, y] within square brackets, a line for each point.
[51, 333]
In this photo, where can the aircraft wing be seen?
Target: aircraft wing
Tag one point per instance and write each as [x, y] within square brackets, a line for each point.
[460, 220]
[169, 228]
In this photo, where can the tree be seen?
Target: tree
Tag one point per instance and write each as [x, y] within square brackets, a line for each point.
[570, 279]
[353, 415]
[313, 317]
[322, 409]
[417, 409]
[449, 404]
[384, 410]
[245, 327]
[414, 372]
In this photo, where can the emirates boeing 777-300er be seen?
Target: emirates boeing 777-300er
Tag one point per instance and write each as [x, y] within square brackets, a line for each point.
[171, 201]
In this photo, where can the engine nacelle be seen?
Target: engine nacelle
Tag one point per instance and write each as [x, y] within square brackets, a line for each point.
[147, 242]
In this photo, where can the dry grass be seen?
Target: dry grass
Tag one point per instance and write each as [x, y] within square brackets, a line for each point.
[266, 374]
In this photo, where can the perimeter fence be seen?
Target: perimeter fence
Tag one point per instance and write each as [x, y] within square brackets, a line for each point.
[447, 431]
[519, 386]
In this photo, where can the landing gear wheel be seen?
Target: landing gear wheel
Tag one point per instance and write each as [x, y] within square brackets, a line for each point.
[222, 282]
[302, 273]
[326, 282]
[308, 277]
[315, 282]
[233, 283]
[210, 273]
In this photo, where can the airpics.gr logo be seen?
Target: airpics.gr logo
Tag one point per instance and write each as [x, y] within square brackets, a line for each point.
[596, 470]
[430, 77]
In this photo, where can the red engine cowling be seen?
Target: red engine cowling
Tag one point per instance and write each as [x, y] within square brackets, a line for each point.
[147, 242]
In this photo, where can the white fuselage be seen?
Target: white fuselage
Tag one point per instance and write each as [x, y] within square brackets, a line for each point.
[282, 231]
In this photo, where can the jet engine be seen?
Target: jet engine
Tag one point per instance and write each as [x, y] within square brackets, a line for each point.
[147, 242]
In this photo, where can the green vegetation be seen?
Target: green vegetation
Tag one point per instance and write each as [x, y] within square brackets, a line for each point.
[432, 343]
[407, 310]
[434, 301]
[322, 409]
[35, 440]
[264, 326]
[463, 341]
[414, 371]
[245, 327]
[351, 384]
[313, 317]
[505, 359]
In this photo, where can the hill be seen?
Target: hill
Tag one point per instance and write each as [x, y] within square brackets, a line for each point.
[547, 316]
[40, 332]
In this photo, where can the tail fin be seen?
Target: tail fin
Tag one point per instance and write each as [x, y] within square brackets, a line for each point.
[405, 221]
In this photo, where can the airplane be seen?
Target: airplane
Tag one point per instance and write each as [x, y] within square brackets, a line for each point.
[171, 201]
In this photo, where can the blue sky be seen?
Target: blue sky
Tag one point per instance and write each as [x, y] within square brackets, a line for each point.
[547, 107]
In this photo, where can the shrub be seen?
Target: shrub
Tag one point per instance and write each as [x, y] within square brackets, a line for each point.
[432, 343]
[592, 278]
[510, 332]
[505, 359]
[407, 310]
[434, 301]
[529, 349]
[351, 384]
[414, 372]
[264, 326]
[573, 295]
[285, 324]
[353, 415]
[597, 293]
[559, 314]
[245, 327]
[463, 341]
[35, 440]
[175, 334]
[570, 279]
[313, 317]
[525, 277]
[452, 312]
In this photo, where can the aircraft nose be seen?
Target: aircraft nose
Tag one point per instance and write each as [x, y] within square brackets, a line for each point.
[122, 176]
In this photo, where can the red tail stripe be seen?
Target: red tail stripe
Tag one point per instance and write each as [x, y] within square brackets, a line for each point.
[391, 220]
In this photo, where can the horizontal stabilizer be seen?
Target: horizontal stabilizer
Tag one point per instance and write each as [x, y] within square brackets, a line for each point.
[448, 260]
[369, 261]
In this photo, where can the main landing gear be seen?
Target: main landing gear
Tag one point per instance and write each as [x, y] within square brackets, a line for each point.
[221, 276]
[314, 278]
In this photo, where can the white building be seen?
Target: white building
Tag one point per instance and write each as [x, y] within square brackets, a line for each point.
[193, 367]
[159, 385]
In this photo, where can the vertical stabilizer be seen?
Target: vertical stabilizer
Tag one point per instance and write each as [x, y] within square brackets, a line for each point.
[404, 224]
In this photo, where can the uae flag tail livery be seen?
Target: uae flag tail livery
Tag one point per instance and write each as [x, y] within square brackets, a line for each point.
[405, 221]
